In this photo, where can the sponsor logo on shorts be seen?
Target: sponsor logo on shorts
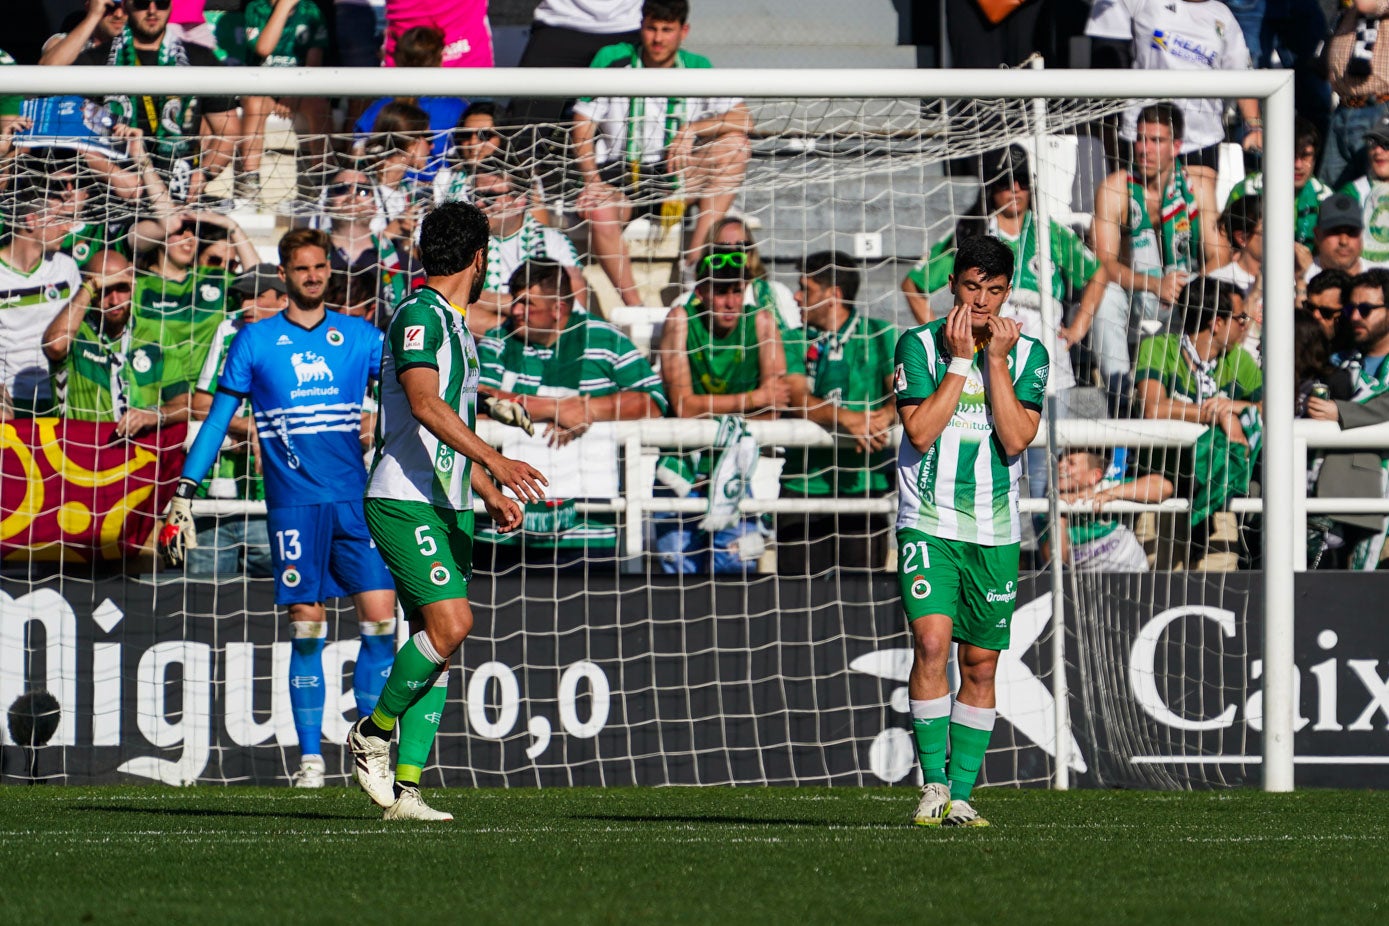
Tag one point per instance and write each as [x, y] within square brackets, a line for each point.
[920, 588]
[1009, 593]
[335, 337]
[414, 337]
[438, 574]
[290, 578]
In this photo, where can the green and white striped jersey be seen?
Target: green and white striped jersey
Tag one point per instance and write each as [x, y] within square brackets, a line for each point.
[591, 357]
[412, 464]
[531, 241]
[964, 487]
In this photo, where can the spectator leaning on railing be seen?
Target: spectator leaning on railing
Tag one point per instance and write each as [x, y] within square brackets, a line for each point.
[1360, 475]
[840, 376]
[101, 371]
[716, 359]
[1093, 542]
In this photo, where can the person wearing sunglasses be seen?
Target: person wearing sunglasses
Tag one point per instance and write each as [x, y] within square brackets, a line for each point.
[101, 371]
[475, 139]
[716, 359]
[371, 263]
[1366, 363]
[1326, 297]
[101, 22]
[191, 139]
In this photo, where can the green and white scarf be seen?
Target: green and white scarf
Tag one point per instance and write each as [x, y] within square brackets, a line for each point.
[170, 117]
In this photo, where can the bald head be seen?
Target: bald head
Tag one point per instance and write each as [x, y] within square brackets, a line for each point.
[114, 277]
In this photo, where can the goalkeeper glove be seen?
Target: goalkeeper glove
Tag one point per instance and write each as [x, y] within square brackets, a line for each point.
[505, 411]
[177, 536]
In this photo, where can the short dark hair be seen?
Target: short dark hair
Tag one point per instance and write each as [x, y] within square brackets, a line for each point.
[545, 275]
[1201, 302]
[833, 268]
[666, 11]
[1094, 457]
[1305, 135]
[1243, 216]
[1338, 280]
[987, 254]
[480, 108]
[420, 47]
[297, 238]
[451, 237]
[1378, 278]
[1164, 113]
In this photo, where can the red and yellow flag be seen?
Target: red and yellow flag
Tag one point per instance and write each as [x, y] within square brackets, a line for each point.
[76, 490]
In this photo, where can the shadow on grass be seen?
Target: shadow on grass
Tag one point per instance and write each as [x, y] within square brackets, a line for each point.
[708, 818]
[208, 812]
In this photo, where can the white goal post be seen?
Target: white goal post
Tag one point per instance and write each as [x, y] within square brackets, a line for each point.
[1274, 90]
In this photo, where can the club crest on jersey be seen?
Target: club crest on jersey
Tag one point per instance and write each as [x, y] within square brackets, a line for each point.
[414, 337]
[438, 574]
[52, 293]
[209, 292]
[899, 378]
[920, 588]
[141, 361]
[290, 578]
[335, 337]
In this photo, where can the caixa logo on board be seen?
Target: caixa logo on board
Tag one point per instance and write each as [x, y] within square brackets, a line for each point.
[137, 693]
[1344, 694]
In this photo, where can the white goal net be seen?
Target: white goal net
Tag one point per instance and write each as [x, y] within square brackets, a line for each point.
[605, 651]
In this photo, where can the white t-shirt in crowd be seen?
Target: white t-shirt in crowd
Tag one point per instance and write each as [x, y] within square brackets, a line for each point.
[1186, 35]
[597, 17]
[611, 116]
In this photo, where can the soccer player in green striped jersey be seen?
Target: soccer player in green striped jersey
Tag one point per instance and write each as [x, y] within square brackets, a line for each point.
[969, 392]
[419, 500]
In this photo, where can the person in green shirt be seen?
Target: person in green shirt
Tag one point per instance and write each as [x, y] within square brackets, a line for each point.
[717, 358]
[180, 305]
[101, 371]
[840, 374]
[659, 154]
[1307, 189]
[571, 371]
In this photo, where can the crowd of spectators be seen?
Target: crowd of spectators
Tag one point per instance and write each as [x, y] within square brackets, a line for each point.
[123, 279]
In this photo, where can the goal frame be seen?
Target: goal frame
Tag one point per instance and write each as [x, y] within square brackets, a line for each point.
[1274, 90]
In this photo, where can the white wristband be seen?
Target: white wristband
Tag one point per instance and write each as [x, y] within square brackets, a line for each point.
[961, 366]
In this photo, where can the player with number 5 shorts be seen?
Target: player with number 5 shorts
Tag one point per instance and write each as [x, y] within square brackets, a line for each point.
[419, 502]
[969, 391]
[305, 371]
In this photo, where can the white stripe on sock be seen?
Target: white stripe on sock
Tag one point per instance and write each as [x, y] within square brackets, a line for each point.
[427, 649]
[977, 718]
[933, 709]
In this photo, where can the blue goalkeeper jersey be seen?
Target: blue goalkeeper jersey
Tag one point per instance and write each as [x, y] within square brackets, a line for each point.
[306, 387]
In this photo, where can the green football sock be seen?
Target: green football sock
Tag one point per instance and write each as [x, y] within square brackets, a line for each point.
[418, 727]
[931, 746]
[414, 669]
[970, 729]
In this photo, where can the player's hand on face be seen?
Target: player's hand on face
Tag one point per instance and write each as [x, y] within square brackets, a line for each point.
[1003, 335]
[522, 478]
[958, 336]
[505, 512]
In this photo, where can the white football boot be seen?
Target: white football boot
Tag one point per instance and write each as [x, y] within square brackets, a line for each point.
[934, 805]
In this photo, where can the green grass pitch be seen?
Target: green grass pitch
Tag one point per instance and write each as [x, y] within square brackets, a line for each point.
[708, 855]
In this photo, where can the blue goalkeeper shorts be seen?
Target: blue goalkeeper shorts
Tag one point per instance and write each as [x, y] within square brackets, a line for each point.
[323, 551]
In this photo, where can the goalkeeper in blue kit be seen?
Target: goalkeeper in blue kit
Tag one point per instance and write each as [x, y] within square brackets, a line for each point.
[969, 389]
[305, 372]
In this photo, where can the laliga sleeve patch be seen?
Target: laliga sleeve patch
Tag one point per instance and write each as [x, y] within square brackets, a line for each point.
[414, 337]
[899, 379]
